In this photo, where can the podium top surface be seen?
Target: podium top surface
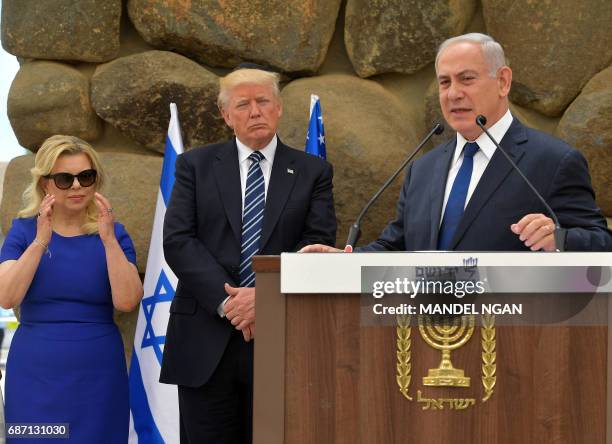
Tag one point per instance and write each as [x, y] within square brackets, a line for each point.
[341, 272]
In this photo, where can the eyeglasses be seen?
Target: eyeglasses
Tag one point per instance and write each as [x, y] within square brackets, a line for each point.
[65, 180]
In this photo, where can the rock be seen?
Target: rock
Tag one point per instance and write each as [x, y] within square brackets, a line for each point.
[87, 30]
[291, 35]
[587, 125]
[367, 137]
[48, 98]
[132, 189]
[554, 48]
[3, 166]
[16, 178]
[401, 35]
[133, 94]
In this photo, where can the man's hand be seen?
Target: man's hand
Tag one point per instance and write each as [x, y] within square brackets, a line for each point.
[320, 248]
[240, 307]
[249, 332]
[536, 231]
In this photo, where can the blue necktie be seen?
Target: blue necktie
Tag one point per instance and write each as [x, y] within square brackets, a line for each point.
[252, 218]
[456, 199]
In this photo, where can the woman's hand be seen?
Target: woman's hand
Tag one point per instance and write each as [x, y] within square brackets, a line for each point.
[16, 275]
[43, 222]
[106, 220]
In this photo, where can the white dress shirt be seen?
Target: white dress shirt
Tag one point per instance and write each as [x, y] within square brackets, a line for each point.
[481, 158]
[266, 164]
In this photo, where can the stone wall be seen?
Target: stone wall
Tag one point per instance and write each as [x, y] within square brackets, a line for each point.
[108, 71]
[3, 166]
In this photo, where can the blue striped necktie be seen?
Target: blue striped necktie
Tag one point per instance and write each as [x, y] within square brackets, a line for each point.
[252, 218]
[456, 199]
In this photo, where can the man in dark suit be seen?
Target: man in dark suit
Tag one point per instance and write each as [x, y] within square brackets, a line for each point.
[251, 195]
[464, 194]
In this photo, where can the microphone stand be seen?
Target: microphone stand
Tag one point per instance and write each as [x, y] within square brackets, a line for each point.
[355, 229]
[559, 233]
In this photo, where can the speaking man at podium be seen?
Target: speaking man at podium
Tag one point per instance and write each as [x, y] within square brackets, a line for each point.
[466, 195]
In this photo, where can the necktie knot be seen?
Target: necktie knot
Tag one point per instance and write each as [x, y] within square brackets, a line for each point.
[256, 157]
[470, 149]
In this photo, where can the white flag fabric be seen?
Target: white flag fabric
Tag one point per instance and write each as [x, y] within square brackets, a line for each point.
[154, 410]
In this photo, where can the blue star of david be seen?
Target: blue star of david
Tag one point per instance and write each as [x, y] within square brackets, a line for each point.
[163, 293]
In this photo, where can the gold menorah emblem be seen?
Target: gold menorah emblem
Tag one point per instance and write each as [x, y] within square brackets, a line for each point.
[446, 336]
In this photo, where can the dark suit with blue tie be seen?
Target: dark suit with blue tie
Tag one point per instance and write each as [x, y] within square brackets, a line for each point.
[501, 198]
[202, 244]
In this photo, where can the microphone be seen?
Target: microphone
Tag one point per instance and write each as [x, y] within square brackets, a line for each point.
[355, 229]
[560, 233]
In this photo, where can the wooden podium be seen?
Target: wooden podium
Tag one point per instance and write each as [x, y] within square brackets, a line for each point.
[323, 376]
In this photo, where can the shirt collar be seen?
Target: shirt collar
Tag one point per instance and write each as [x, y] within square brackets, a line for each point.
[268, 151]
[498, 131]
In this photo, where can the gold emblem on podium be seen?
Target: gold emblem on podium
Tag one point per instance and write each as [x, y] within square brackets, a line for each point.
[446, 336]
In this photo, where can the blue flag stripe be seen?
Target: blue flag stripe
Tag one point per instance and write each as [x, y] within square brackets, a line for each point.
[167, 177]
[144, 424]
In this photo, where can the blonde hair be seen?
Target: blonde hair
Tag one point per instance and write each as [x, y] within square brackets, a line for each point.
[47, 155]
[246, 76]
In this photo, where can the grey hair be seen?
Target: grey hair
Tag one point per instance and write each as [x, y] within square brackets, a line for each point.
[491, 50]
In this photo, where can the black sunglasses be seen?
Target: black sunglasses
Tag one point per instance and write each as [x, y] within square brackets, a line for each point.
[65, 180]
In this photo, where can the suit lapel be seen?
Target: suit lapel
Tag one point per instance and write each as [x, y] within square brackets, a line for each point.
[227, 175]
[439, 177]
[281, 183]
[493, 176]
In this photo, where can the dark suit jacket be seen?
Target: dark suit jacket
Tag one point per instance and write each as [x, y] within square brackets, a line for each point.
[501, 198]
[202, 232]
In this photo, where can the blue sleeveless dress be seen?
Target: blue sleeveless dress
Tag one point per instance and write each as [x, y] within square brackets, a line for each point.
[66, 363]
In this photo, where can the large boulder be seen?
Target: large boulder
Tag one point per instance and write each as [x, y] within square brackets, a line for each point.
[587, 125]
[400, 35]
[16, 178]
[48, 98]
[133, 94]
[132, 190]
[367, 135]
[291, 35]
[87, 30]
[554, 48]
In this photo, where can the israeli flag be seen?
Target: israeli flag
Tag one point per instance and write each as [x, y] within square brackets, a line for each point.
[154, 406]
[315, 137]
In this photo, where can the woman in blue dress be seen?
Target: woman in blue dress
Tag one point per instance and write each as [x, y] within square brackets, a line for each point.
[67, 263]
